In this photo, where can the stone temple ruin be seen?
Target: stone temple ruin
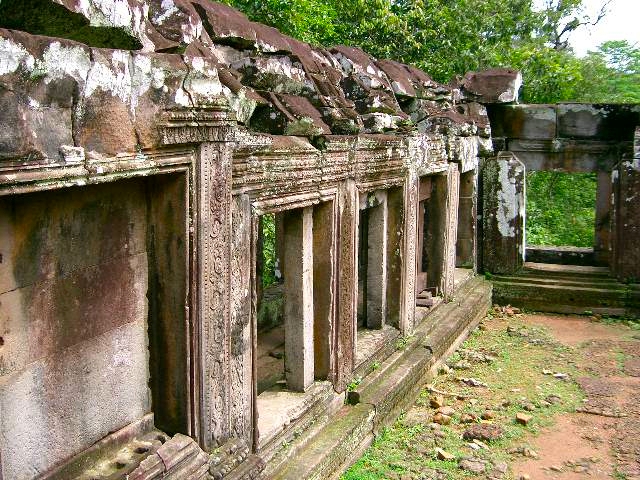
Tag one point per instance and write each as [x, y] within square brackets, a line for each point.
[144, 145]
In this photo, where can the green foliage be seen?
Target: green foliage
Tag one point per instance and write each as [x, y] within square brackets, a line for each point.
[311, 21]
[561, 208]
[611, 74]
[450, 37]
[353, 385]
[268, 225]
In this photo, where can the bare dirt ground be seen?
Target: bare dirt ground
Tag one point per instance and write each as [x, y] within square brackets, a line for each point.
[602, 440]
[576, 379]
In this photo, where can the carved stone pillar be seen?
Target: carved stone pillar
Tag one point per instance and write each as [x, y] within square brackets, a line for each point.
[409, 262]
[395, 255]
[601, 245]
[347, 284]
[467, 218]
[450, 229]
[298, 298]
[503, 200]
[210, 264]
[376, 258]
[241, 366]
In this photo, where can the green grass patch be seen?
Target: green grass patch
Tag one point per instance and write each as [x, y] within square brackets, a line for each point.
[515, 378]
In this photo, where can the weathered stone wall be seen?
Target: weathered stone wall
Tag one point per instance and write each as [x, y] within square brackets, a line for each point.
[571, 137]
[503, 215]
[626, 216]
[73, 321]
[243, 122]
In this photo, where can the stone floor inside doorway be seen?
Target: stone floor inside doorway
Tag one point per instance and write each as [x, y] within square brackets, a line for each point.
[527, 396]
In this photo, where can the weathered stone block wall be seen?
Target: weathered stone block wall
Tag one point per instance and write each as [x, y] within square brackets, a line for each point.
[503, 215]
[626, 223]
[571, 137]
[73, 321]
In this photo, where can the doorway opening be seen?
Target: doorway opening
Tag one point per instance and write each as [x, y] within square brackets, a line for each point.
[567, 217]
[294, 315]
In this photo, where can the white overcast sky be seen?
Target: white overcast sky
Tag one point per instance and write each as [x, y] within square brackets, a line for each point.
[622, 22]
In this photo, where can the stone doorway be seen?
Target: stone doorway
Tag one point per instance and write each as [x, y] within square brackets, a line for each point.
[93, 314]
[568, 217]
[295, 313]
[431, 240]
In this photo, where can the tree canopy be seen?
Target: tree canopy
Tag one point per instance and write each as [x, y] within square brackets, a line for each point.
[450, 37]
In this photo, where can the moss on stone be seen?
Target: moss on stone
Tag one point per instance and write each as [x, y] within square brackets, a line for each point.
[42, 17]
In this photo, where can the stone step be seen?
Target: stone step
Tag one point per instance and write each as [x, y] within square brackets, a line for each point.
[560, 297]
[388, 390]
[597, 282]
[552, 269]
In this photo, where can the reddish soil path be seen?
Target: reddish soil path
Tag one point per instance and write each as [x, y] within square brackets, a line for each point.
[604, 443]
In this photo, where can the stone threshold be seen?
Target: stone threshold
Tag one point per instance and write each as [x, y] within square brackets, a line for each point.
[373, 347]
[338, 437]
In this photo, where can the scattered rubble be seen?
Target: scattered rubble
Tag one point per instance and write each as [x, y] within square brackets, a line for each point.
[472, 382]
[483, 431]
[473, 465]
[443, 455]
[523, 418]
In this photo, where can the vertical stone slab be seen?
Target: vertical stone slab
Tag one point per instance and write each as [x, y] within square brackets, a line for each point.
[376, 299]
[450, 229]
[213, 287]
[603, 218]
[395, 227]
[324, 241]
[467, 217]
[436, 227]
[241, 370]
[168, 332]
[409, 264]
[626, 263]
[347, 287]
[298, 298]
[503, 215]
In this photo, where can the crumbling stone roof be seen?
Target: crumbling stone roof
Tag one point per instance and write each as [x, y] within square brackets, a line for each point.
[273, 83]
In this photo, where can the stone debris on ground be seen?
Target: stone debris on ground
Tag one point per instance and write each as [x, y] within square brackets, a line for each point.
[477, 427]
[441, 419]
[446, 410]
[523, 418]
[484, 432]
[473, 464]
[436, 401]
[444, 455]
[524, 451]
[472, 382]
[505, 311]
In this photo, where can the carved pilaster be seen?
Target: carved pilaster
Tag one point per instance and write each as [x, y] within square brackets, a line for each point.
[409, 264]
[214, 247]
[451, 230]
[241, 386]
[347, 283]
[210, 316]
